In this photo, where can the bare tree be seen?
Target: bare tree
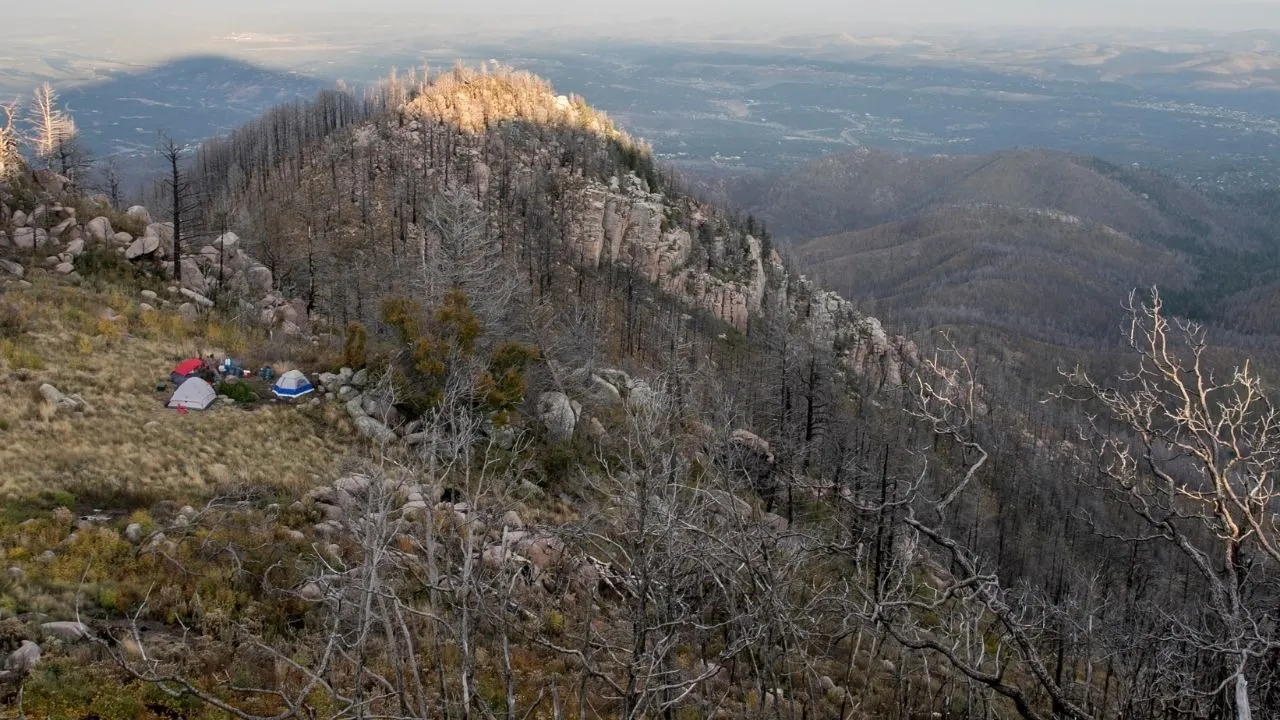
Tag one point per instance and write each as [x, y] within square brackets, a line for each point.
[183, 196]
[51, 126]
[1196, 463]
[10, 159]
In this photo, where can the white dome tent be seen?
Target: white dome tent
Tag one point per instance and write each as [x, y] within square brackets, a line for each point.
[193, 394]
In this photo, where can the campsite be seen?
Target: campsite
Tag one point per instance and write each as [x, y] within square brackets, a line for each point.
[197, 384]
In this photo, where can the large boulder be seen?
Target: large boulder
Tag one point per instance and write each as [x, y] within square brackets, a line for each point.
[24, 238]
[62, 227]
[192, 278]
[164, 231]
[75, 248]
[66, 630]
[228, 244]
[60, 401]
[559, 414]
[123, 239]
[19, 219]
[259, 279]
[51, 182]
[100, 229]
[196, 298]
[139, 214]
[142, 247]
[604, 392]
[11, 267]
[381, 409]
[24, 659]
[374, 430]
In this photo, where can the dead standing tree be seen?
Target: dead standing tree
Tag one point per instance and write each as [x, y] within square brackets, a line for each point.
[1197, 467]
[184, 200]
[963, 610]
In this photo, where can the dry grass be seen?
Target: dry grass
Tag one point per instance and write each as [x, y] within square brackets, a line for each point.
[131, 446]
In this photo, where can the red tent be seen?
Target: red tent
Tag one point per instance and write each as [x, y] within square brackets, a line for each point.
[187, 367]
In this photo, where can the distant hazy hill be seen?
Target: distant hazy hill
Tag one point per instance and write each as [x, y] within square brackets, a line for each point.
[864, 188]
[1041, 274]
[1040, 243]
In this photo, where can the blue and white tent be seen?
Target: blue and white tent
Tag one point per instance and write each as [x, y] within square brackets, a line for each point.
[292, 384]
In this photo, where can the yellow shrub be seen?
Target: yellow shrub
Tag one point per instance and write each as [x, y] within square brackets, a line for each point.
[18, 356]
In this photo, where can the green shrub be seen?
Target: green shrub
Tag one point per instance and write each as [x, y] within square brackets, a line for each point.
[238, 391]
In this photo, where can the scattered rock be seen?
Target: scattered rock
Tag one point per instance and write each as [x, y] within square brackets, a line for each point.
[259, 279]
[188, 312]
[11, 267]
[139, 213]
[38, 215]
[353, 484]
[355, 409]
[311, 592]
[66, 630]
[46, 557]
[24, 238]
[19, 219]
[361, 378]
[133, 533]
[24, 659]
[122, 239]
[511, 519]
[192, 278]
[382, 410]
[62, 227]
[346, 392]
[196, 298]
[99, 229]
[594, 429]
[59, 400]
[558, 414]
[75, 248]
[604, 392]
[65, 268]
[374, 430]
[146, 307]
[15, 573]
[143, 246]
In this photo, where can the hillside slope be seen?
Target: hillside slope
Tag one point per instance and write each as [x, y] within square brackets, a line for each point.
[1201, 250]
[1045, 275]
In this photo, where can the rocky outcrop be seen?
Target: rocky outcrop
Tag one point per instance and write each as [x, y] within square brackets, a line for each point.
[624, 225]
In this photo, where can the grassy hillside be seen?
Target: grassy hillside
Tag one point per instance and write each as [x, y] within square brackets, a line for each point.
[129, 448]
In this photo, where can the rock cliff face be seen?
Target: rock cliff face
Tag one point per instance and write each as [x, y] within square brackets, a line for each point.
[622, 224]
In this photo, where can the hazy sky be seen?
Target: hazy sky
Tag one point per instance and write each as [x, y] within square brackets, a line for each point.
[830, 14]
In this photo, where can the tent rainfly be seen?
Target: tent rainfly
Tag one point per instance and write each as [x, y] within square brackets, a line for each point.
[292, 384]
[193, 394]
[184, 370]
